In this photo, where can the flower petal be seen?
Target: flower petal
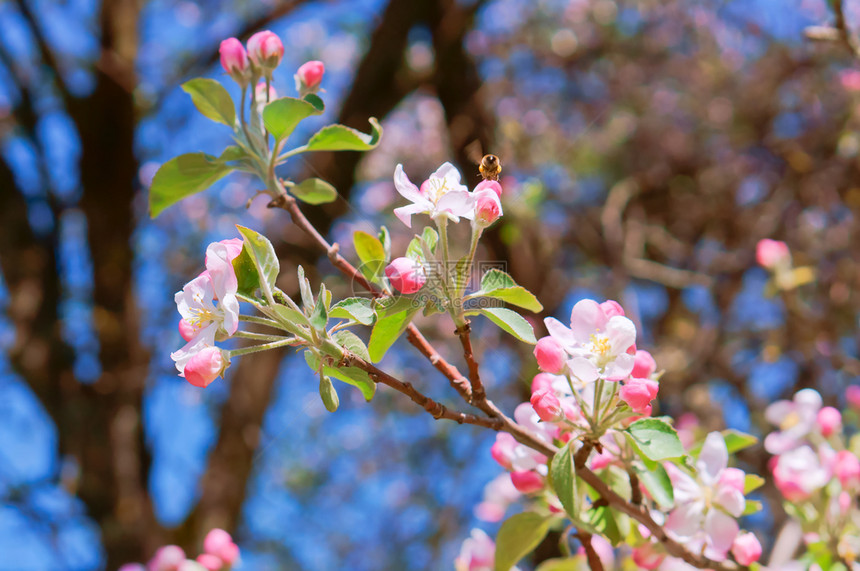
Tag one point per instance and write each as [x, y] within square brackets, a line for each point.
[458, 203]
[686, 519]
[204, 338]
[583, 369]
[586, 318]
[559, 332]
[721, 530]
[713, 458]
[620, 367]
[405, 186]
[229, 304]
[452, 176]
[404, 213]
[731, 500]
[621, 333]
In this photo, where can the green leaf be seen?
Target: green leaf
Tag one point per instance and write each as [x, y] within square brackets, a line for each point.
[246, 275]
[343, 138]
[752, 482]
[371, 252]
[313, 360]
[656, 439]
[316, 101]
[603, 520]
[283, 114]
[314, 191]
[519, 296]
[183, 176]
[289, 315]
[751, 507]
[305, 290]
[519, 535]
[563, 475]
[352, 342]
[510, 321]
[659, 486]
[558, 564]
[355, 377]
[319, 316]
[385, 237]
[328, 394]
[737, 440]
[232, 153]
[391, 304]
[387, 330]
[496, 279]
[359, 309]
[212, 100]
[263, 254]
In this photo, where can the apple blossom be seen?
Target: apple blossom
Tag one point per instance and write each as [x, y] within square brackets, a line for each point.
[706, 505]
[800, 472]
[527, 481]
[441, 196]
[746, 548]
[648, 556]
[488, 208]
[610, 308]
[204, 366]
[829, 421]
[265, 49]
[772, 254]
[547, 406]
[846, 467]
[499, 494]
[406, 275]
[234, 60]
[489, 185]
[263, 94]
[167, 558]
[638, 394]
[309, 76]
[196, 301]
[795, 418]
[599, 345]
[478, 553]
[219, 543]
[550, 355]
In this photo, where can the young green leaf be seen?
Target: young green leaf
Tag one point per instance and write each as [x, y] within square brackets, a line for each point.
[288, 317]
[316, 101]
[735, 442]
[751, 507]
[343, 138]
[328, 394]
[355, 377]
[371, 252]
[519, 296]
[359, 309]
[319, 316]
[603, 520]
[263, 254]
[212, 100]
[563, 475]
[387, 330]
[305, 290]
[352, 342]
[509, 321]
[496, 279]
[385, 239]
[518, 536]
[283, 114]
[752, 482]
[183, 176]
[656, 439]
[314, 191]
[659, 485]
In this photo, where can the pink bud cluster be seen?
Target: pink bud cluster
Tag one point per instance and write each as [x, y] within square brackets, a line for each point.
[263, 54]
[220, 553]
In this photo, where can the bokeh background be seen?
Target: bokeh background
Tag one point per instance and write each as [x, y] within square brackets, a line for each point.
[647, 146]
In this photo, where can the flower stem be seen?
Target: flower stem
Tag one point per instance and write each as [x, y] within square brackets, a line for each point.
[258, 336]
[264, 347]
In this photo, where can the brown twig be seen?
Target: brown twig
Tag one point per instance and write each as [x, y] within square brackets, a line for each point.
[635, 490]
[478, 393]
[594, 562]
[845, 35]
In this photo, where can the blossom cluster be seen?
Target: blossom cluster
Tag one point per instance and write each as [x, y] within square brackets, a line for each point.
[220, 553]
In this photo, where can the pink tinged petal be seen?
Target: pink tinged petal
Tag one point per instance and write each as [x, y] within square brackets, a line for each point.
[780, 442]
[732, 478]
[644, 365]
[167, 558]
[686, 519]
[746, 548]
[457, 203]
[713, 458]
[583, 369]
[622, 335]
[730, 500]
[450, 173]
[686, 488]
[777, 412]
[210, 562]
[527, 482]
[404, 213]
[204, 367]
[204, 338]
[405, 186]
[808, 399]
[721, 530]
[585, 319]
[559, 332]
[220, 268]
[620, 367]
[186, 330]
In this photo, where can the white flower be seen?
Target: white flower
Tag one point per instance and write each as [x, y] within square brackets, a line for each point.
[795, 418]
[440, 196]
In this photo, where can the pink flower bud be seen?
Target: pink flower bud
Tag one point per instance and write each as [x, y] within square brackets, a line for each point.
[488, 207]
[644, 365]
[852, 395]
[772, 253]
[265, 49]
[611, 308]
[234, 60]
[219, 543]
[491, 185]
[204, 367]
[733, 478]
[186, 330]
[844, 502]
[847, 468]
[638, 393]
[647, 556]
[550, 355]
[746, 548]
[829, 420]
[309, 76]
[167, 558]
[547, 406]
[527, 482]
[260, 94]
[406, 276]
[542, 381]
[503, 448]
[210, 562]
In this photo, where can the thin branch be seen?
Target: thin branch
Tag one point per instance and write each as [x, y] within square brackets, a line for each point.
[594, 562]
[845, 35]
[478, 392]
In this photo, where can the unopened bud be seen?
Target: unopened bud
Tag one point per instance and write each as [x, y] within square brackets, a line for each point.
[309, 76]
[488, 207]
[265, 49]
[328, 394]
[234, 60]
